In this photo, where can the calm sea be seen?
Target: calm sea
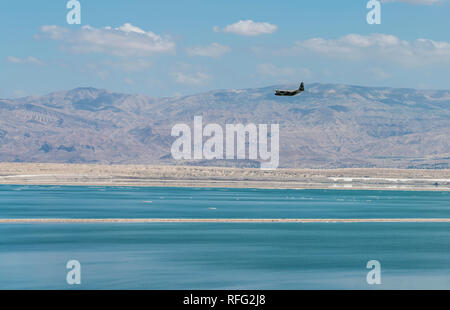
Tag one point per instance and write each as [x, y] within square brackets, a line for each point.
[222, 255]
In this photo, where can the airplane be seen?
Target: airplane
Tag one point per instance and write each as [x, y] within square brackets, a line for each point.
[290, 92]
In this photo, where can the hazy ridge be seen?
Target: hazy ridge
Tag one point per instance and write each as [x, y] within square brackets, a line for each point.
[328, 126]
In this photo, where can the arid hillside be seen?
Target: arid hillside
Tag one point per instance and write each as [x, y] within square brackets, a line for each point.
[328, 126]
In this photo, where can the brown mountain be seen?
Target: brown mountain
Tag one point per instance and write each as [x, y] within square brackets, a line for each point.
[327, 126]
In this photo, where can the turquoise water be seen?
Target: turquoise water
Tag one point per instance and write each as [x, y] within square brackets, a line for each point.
[222, 255]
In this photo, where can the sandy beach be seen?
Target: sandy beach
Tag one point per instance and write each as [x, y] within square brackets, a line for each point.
[192, 176]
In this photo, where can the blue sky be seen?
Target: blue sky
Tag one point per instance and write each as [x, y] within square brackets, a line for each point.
[168, 48]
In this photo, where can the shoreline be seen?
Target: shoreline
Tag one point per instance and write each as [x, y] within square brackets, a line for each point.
[240, 186]
[220, 177]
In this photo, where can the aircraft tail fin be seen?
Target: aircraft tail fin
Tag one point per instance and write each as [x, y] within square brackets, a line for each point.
[302, 87]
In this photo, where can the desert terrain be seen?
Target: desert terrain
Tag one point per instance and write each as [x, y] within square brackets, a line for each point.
[193, 176]
[328, 126]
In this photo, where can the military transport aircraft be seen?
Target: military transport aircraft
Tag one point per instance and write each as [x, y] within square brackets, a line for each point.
[290, 92]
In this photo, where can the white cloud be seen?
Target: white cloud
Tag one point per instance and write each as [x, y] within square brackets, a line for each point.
[196, 78]
[55, 32]
[26, 60]
[96, 69]
[269, 69]
[378, 47]
[426, 2]
[248, 28]
[126, 65]
[378, 73]
[126, 40]
[214, 50]
[130, 65]
[128, 81]
[18, 93]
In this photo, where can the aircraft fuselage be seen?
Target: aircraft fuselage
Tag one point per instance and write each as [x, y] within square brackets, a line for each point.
[287, 92]
[290, 92]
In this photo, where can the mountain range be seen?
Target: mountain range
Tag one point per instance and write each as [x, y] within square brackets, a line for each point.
[327, 126]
